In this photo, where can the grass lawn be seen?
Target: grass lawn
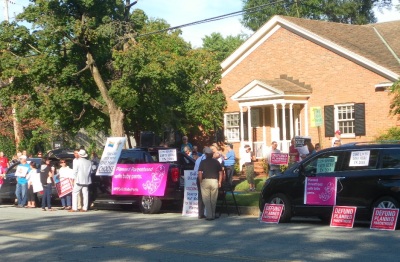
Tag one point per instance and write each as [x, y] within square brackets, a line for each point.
[243, 196]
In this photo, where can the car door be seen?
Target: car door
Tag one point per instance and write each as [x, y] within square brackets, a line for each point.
[325, 164]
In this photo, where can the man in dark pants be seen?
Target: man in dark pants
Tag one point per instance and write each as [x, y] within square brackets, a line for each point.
[210, 177]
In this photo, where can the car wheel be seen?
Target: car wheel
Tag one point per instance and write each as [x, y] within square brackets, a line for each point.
[386, 202]
[150, 205]
[287, 208]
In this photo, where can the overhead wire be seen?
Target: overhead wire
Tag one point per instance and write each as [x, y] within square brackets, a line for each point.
[216, 18]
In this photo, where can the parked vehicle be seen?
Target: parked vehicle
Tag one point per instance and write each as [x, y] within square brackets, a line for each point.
[373, 183]
[101, 187]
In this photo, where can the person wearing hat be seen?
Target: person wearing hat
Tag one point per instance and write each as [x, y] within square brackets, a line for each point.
[82, 181]
[210, 178]
[22, 183]
[229, 163]
[336, 139]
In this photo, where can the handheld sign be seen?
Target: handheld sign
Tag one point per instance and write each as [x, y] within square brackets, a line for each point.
[272, 213]
[110, 156]
[279, 158]
[298, 142]
[343, 216]
[384, 218]
[190, 199]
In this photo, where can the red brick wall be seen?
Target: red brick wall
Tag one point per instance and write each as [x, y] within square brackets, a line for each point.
[334, 80]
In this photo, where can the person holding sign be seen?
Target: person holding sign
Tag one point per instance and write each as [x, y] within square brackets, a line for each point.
[66, 173]
[31, 177]
[336, 139]
[273, 169]
[22, 183]
[248, 159]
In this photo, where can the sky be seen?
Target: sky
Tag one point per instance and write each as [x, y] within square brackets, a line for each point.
[180, 12]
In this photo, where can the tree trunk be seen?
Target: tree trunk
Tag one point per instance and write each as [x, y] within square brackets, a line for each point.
[115, 113]
[18, 135]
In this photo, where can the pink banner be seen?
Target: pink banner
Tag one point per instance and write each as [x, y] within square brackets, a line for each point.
[279, 158]
[320, 191]
[140, 179]
[384, 218]
[64, 187]
[343, 216]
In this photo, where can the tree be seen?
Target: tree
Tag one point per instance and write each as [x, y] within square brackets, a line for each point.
[222, 47]
[342, 11]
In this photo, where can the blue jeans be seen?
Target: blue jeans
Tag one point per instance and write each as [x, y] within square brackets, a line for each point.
[66, 201]
[46, 198]
[21, 192]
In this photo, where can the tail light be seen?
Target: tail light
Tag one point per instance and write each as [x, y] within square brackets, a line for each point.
[175, 174]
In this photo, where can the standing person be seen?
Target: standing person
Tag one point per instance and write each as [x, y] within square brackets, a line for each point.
[294, 155]
[46, 177]
[66, 173]
[317, 147]
[74, 165]
[22, 183]
[31, 177]
[338, 133]
[249, 159]
[82, 181]
[210, 177]
[200, 203]
[273, 169]
[229, 164]
[3, 163]
[185, 142]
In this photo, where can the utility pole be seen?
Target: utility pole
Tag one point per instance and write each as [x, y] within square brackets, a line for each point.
[6, 10]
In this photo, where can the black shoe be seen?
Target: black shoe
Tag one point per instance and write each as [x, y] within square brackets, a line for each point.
[209, 219]
[201, 217]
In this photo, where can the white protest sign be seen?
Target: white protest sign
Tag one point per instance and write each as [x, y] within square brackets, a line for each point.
[190, 200]
[167, 155]
[359, 158]
[110, 156]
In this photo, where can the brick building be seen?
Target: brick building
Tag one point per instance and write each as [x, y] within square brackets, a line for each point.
[292, 68]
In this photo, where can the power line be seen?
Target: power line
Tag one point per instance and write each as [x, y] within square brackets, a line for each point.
[216, 18]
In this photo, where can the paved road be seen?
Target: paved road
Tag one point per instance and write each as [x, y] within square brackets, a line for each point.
[114, 235]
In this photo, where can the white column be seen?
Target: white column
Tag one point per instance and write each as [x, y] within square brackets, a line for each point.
[291, 120]
[306, 119]
[241, 126]
[283, 121]
[275, 116]
[249, 127]
[264, 132]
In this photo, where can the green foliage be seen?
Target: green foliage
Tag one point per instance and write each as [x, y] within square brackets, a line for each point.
[342, 11]
[393, 134]
[7, 146]
[222, 47]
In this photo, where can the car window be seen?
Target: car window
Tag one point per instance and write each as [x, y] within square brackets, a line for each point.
[134, 157]
[391, 158]
[325, 163]
[361, 160]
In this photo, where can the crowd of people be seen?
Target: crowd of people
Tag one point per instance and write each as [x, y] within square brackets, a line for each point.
[32, 180]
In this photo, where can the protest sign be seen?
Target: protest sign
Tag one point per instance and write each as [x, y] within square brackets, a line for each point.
[140, 179]
[167, 155]
[298, 142]
[279, 158]
[109, 159]
[320, 191]
[190, 200]
[326, 165]
[359, 158]
[21, 171]
[64, 187]
[384, 218]
[272, 213]
[343, 216]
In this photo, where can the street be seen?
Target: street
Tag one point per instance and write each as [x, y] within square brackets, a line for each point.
[115, 235]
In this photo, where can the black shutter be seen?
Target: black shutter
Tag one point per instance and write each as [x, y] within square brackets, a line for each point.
[359, 119]
[329, 121]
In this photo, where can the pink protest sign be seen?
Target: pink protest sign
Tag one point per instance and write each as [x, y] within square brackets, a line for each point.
[272, 213]
[140, 179]
[384, 218]
[343, 216]
[64, 187]
[279, 158]
[320, 191]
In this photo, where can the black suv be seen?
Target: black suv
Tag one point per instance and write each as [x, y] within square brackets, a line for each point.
[101, 185]
[373, 182]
